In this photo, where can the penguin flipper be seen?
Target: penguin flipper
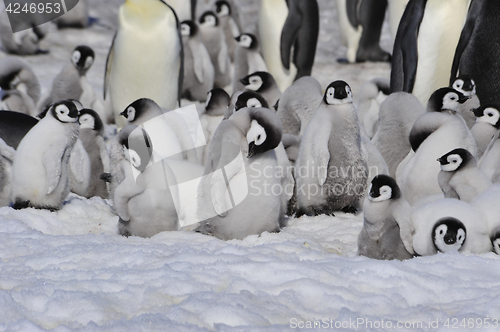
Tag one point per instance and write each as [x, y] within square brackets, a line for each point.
[352, 10]
[402, 213]
[320, 152]
[290, 33]
[222, 57]
[52, 162]
[104, 154]
[196, 50]
[109, 62]
[235, 31]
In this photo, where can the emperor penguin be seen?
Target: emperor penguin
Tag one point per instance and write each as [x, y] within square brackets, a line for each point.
[449, 225]
[397, 114]
[72, 83]
[486, 127]
[78, 17]
[224, 12]
[40, 168]
[460, 177]
[283, 26]
[14, 126]
[235, 182]
[263, 83]
[331, 170]
[215, 108]
[246, 99]
[361, 27]
[167, 130]
[213, 38]
[423, 51]
[396, 9]
[146, 57]
[247, 59]
[387, 229]
[7, 154]
[298, 103]
[372, 93]
[143, 199]
[185, 9]
[199, 72]
[466, 85]
[25, 42]
[433, 134]
[474, 55]
[20, 86]
[92, 137]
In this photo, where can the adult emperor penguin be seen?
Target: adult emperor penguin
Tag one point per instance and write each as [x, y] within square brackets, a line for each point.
[460, 177]
[449, 225]
[146, 57]
[433, 134]
[235, 183]
[387, 229]
[283, 25]
[486, 128]
[247, 59]
[475, 54]
[40, 168]
[224, 12]
[425, 42]
[213, 38]
[17, 79]
[91, 135]
[396, 117]
[466, 85]
[263, 83]
[331, 170]
[361, 26]
[199, 72]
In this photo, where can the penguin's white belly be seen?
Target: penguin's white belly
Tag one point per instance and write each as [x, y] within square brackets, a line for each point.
[272, 17]
[438, 37]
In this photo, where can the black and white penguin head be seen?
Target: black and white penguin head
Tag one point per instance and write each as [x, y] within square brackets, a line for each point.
[338, 93]
[217, 100]
[82, 58]
[89, 119]
[495, 240]
[445, 99]
[64, 111]
[247, 40]
[259, 81]
[488, 113]
[449, 234]
[264, 133]
[140, 107]
[465, 84]
[137, 146]
[209, 19]
[222, 8]
[455, 159]
[250, 99]
[188, 28]
[383, 188]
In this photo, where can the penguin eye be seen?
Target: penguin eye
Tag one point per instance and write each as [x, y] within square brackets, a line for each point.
[441, 232]
[453, 98]
[489, 114]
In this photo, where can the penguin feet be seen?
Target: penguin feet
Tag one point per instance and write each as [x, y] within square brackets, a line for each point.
[19, 205]
[373, 55]
[106, 177]
[343, 61]
[205, 228]
[349, 209]
[313, 211]
[123, 227]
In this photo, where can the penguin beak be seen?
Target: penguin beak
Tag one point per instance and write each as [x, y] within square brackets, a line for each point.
[237, 38]
[251, 149]
[124, 114]
[477, 112]
[441, 161]
[462, 99]
[244, 81]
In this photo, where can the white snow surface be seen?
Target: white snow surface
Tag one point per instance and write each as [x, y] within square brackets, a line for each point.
[70, 270]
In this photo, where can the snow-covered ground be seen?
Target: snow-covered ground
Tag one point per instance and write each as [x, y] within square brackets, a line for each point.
[69, 270]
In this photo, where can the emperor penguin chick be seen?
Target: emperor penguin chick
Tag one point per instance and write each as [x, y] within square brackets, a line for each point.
[460, 177]
[331, 170]
[235, 182]
[466, 85]
[247, 59]
[486, 127]
[263, 83]
[40, 168]
[199, 71]
[387, 229]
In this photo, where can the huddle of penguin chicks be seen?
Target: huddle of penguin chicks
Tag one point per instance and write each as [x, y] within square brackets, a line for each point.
[442, 195]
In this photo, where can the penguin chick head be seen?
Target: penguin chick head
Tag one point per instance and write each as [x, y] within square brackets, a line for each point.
[217, 100]
[82, 58]
[455, 160]
[382, 188]
[250, 99]
[188, 28]
[209, 19]
[338, 93]
[141, 110]
[259, 81]
[247, 40]
[222, 8]
[264, 133]
[89, 119]
[449, 234]
[495, 240]
[137, 146]
[488, 113]
[64, 111]
[464, 84]
[445, 99]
